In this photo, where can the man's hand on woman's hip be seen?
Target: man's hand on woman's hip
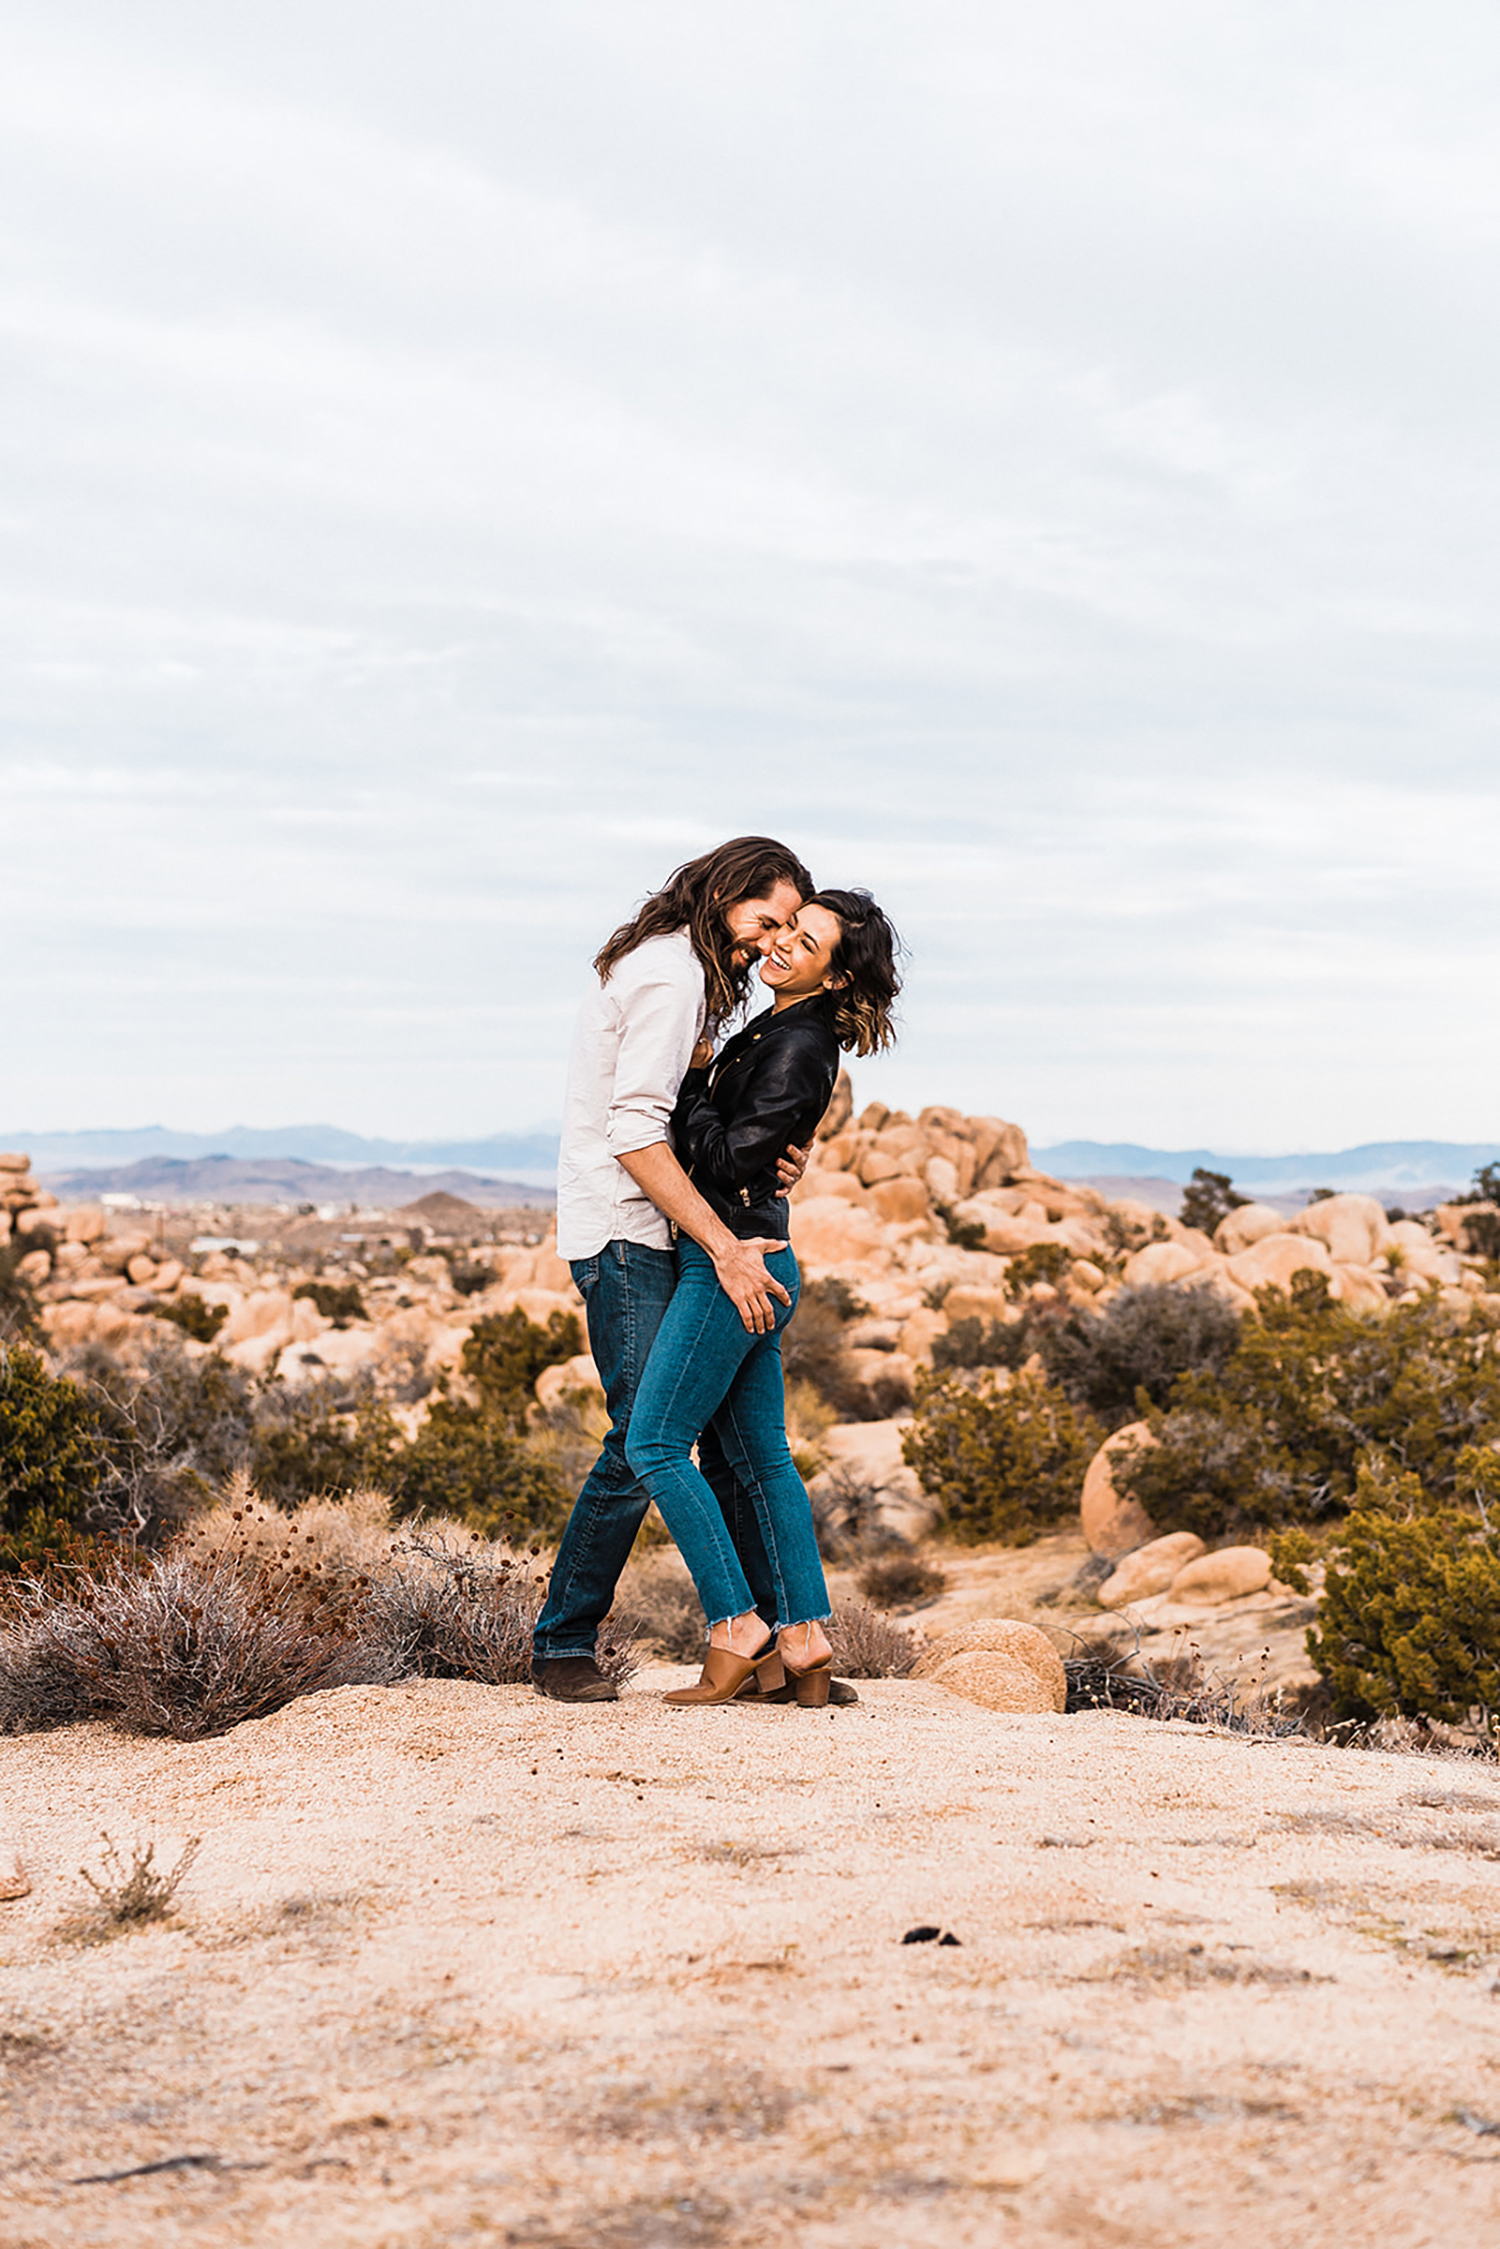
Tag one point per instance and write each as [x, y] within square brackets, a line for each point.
[741, 1268]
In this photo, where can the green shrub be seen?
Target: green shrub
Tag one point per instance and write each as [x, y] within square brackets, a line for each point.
[146, 1444]
[506, 1351]
[982, 1343]
[52, 1461]
[1044, 1261]
[339, 1301]
[171, 1429]
[1277, 1435]
[468, 1277]
[327, 1437]
[815, 1349]
[1482, 1231]
[18, 1305]
[470, 1462]
[1482, 1234]
[1209, 1198]
[1142, 1341]
[201, 1320]
[1409, 1624]
[1003, 1463]
[900, 1581]
[837, 1295]
[471, 1458]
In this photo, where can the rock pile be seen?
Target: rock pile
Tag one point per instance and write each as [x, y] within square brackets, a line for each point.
[924, 1217]
[62, 1238]
[956, 1197]
[101, 1280]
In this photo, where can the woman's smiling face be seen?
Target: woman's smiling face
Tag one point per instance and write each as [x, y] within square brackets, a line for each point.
[799, 960]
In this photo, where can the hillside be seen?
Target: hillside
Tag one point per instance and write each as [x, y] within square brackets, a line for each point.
[1370, 1169]
[526, 1153]
[237, 1180]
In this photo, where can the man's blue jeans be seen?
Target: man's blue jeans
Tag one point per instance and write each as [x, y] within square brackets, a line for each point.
[626, 1290]
[707, 1369]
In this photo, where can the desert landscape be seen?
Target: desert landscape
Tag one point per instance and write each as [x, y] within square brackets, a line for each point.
[1091, 1917]
[540, 532]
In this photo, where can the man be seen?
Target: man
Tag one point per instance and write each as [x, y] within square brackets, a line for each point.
[683, 961]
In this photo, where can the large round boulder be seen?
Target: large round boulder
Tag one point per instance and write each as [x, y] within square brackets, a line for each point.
[1276, 1258]
[1150, 1569]
[1354, 1228]
[920, 1332]
[867, 1454]
[1161, 1261]
[1003, 1637]
[1418, 1255]
[86, 1223]
[962, 1303]
[1006, 1232]
[265, 1311]
[828, 1232]
[1362, 1289]
[900, 1201]
[554, 1385]
[996, 1682]
[1249, 1224]
[1113, 1524]
[1226, 1576]
[841, 1186]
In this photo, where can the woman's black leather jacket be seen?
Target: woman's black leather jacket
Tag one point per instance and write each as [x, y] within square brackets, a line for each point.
[763, 1094]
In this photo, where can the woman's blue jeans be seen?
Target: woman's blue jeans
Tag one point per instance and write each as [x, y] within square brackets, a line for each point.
[706, 1370]
[626, 1290]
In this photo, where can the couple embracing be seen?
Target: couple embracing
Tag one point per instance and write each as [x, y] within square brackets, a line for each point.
[677, 1157]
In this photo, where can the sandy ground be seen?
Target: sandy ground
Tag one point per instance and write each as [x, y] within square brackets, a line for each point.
[458, 1965]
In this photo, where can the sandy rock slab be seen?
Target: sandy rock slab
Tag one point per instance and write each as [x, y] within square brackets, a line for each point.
[458, 1965]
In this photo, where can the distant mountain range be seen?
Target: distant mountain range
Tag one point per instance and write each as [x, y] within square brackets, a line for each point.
[286, 1179]
[517, 1155]
[503, 1162]
[1378, 1164]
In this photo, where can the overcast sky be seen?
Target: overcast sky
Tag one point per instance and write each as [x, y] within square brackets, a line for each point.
[460, 459]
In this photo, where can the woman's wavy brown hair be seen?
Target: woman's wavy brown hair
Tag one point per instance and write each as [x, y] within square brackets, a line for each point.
[696, 898]
[861, 1006]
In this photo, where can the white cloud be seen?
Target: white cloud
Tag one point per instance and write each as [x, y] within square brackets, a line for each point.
[1041, 461]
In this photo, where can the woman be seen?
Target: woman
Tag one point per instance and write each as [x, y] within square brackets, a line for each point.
[833, 972]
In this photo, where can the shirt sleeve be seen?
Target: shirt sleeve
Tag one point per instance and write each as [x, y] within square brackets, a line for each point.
[660, 1012]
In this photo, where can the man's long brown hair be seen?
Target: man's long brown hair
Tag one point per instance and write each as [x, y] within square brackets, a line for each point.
[695, 899]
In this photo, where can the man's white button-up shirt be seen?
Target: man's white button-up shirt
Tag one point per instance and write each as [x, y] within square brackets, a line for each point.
[634, 1040]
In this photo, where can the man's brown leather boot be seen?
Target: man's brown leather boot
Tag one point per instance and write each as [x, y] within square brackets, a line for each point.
[572, 1679]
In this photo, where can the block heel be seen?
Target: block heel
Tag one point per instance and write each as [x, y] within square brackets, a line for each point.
[724, 1675]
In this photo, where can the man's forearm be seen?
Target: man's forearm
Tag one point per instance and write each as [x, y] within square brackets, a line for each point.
[657, 1170]
[739, 1265]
